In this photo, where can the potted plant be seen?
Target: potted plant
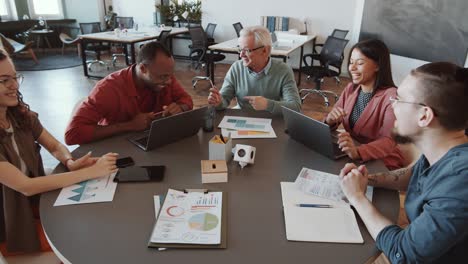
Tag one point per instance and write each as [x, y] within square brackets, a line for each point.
[168, 12]
[195, 12]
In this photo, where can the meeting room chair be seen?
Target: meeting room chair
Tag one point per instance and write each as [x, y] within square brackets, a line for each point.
[330, 60]
[210, 29]
[337, 33]
[94, 48]
[199, 51]
[122, 23]
[238, 27]
[69, 36]
[12, 47]
[164, 38]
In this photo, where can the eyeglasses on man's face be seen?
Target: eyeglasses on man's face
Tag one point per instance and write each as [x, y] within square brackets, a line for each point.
[9, 80]
[395, 99]
[248, 51]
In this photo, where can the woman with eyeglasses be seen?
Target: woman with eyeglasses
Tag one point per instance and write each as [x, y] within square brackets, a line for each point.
[21, 133]
[365, 109]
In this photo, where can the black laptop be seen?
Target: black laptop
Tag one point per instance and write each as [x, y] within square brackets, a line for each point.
[312, 133]
[170, 129]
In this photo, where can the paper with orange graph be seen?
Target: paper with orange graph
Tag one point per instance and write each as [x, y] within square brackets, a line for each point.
[246, 127]
[189, 218]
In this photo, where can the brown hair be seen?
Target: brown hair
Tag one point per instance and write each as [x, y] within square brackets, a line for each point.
[377, 51]
[444, 88]
[19, 114]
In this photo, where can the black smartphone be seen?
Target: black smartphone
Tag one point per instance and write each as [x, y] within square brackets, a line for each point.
[140, 174]
[124, 162]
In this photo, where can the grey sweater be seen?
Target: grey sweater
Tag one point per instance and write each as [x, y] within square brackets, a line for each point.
[276, 84]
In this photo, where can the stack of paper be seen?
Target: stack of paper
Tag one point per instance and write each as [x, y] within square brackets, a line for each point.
[246, 127]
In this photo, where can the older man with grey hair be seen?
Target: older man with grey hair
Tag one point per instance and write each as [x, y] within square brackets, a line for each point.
[257, 81]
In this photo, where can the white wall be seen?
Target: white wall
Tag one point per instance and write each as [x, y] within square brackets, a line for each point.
[141, 10]
[84, 10]
[321, 16]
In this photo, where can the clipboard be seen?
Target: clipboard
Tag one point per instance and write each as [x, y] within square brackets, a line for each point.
[223, 242]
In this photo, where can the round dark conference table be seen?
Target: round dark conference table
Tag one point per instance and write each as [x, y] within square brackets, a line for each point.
[119, 231]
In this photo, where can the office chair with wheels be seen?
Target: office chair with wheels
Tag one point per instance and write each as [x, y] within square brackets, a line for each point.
[337, 33]
[330, 58]
[123, 23]
[94, 48]
[199, 51]
[164, 38]
[238, 27]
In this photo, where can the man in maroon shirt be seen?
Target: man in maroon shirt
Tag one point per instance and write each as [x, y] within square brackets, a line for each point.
[129, 99]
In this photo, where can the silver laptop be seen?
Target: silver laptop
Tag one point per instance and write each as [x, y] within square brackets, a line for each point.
[170, 129]
[312, 133]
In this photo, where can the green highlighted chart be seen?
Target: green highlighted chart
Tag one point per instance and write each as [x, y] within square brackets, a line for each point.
[203, 222]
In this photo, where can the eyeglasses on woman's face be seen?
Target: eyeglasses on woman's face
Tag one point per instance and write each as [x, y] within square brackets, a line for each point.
[9, 80]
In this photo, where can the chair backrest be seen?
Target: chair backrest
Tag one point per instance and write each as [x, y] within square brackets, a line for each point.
[198, 37]
[7, 46]
[210, 28]
[125, 22]
[91, 27]
[163, 37]
[332, 51]
[339, 33]
[238, 27]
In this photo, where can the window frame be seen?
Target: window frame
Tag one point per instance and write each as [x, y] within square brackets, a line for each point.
[11, 10]
[33, 14]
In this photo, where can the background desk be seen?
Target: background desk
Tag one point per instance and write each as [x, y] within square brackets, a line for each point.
[130, 38]
[231, 47]
[118, 232]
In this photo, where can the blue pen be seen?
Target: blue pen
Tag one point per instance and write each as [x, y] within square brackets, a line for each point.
[315, 205]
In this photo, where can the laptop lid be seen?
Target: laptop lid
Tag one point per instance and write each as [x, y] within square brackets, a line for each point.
[274, 38]
[173, 128]
[310, 132]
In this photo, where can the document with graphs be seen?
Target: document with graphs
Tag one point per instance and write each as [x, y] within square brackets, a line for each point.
[194, 217]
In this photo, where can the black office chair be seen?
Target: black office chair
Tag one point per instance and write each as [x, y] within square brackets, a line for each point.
[238, 27]
[164, 38]
[124, 23]
[330, 58]
[337, 33]
[210, 29]
[199, 51]
[94, 48]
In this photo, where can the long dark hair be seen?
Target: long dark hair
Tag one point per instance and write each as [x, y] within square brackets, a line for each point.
[377, 51]
[19, 114]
